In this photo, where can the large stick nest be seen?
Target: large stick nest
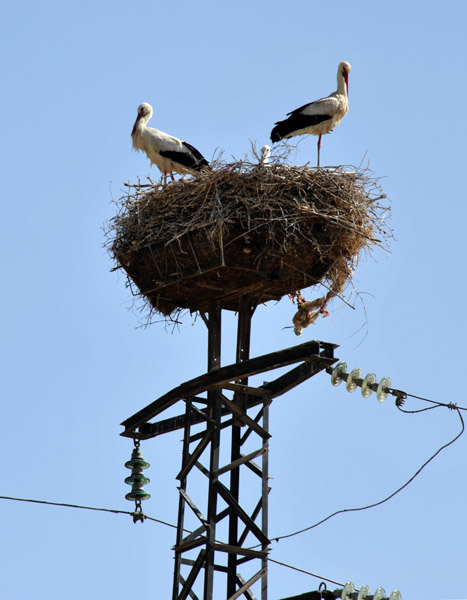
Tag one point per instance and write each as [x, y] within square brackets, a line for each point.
[243, 229]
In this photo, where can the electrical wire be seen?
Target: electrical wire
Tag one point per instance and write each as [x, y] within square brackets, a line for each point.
[276, 539]
[414, 412]
[449, 405]
[126, 512]
[278, 562]
[111, 510]
[437, 405]
[360, 508]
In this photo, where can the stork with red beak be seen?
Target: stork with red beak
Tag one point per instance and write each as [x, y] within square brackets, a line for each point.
[318, 117]
[168, 153]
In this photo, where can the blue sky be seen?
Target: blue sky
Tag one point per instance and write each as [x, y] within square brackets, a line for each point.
[75, 363]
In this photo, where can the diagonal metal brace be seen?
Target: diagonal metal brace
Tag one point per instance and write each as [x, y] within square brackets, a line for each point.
[238, 510]
[199, 562]
[193, 507]
[244, 588]
[195, 455]
[244, 418]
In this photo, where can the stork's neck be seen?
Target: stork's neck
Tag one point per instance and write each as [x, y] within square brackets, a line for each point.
[341, 85]
[141, 124]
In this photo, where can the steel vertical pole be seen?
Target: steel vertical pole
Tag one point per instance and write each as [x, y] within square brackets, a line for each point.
[181, 502]
[214, 410]
[264, 498]
[243, 353]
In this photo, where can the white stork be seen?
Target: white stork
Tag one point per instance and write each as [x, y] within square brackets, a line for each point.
[167, 152]
[318, 117]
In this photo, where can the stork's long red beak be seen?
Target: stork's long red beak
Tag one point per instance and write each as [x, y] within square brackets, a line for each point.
[346, 76]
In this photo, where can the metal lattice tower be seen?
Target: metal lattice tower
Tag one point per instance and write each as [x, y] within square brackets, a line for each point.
[233, 531]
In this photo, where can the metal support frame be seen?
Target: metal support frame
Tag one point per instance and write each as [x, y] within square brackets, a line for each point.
[214, 429]
[243, 353]
[245, 418]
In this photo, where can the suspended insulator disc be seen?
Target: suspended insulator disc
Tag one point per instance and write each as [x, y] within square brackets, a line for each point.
[396, 595]
[381, 393]
[336, 376]
[137, 495]
[353, 375]
[137, 460]
[348, 589]
[379, 594]
[369, 380]
[364, 592]
[139, 479]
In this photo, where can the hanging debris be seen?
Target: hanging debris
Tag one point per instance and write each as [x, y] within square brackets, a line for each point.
[245, 229]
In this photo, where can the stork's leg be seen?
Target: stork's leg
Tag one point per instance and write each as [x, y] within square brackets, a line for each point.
[165, 177]
[172, 176]
[319, 146]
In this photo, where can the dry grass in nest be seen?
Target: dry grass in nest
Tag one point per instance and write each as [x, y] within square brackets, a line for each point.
[243, 229]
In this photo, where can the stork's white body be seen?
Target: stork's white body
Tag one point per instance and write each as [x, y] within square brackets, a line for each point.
[165, 151]
[333, 107]
[319, 117]
[152, 141]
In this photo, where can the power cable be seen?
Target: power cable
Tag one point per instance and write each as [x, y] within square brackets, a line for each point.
[414, 412]
[448, 405]
[276, 539]
[338, 512]
[112, 510]
[126, 512]
[278, 562]
[399, 401]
